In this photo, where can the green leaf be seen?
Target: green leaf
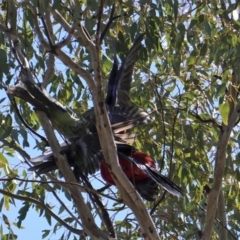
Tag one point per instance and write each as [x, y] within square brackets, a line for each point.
[234, 39]
[15, 224]
[48, 217]
[6, 203]
[203, 50]
[175, 8]
[6, 221]
[10, 236]
[193, 23]
[176, 61]
[23, 213]
[224, 111]
[45, 233]
[3, 161]
[61, 209]
[208, 29]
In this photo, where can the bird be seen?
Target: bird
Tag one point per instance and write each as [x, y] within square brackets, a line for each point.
[83, 150]
[139, 168]
[81, 133]
[141, 171]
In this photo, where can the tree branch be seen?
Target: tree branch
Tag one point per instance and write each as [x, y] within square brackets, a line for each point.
[26, 157]
[85, 214]
[75, 67]
[219, 170]
[110, 20]
[222, 217]
[43, 206]
[47, 45]
[104, 213]
[129, 194]
[99, 22]
[59, 18]
[62, 184]
[220, 223]
[14, 105]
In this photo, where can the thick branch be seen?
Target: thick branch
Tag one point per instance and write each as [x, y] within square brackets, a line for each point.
[59, 18]
[129, 194]
[85, 214]
[75, 67]
[219, 170]
[222, 217]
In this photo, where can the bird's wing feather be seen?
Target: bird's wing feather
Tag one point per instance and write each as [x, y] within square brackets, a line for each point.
[125, 72]
[90, 150]
[123, 115]
[111, 97]
[163, 181]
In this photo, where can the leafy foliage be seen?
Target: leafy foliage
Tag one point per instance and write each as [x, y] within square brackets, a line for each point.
[182, 78]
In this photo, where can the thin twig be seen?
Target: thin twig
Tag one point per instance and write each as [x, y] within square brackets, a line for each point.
[224, 226]
[158, 202]
[172, 134]
[209, 120]
[104, 213]
[43, 206]
[13, 102]
[164, 129]
[110, 20]
[100, 12]
[45, 26]
[63, 184]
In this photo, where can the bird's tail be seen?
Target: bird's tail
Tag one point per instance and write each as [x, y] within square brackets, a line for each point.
[46, 162]
[44, 167]
[164, 182]
[147, 188]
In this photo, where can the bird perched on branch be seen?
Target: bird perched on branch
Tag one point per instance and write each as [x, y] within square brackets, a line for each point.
[141, 170]
[82, 132]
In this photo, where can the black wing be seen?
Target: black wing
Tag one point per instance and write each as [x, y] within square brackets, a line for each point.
[119, 83]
